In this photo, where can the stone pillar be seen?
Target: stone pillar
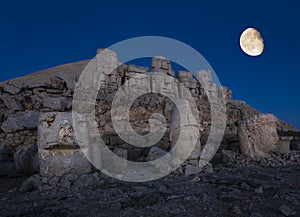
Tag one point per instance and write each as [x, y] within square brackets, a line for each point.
[109, 69]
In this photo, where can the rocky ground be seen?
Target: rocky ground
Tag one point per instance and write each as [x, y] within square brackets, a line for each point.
[229, 191]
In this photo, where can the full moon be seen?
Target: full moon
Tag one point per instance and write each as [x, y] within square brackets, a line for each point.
[251, 42]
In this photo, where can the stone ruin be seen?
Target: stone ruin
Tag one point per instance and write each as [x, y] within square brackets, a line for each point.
[37, 135]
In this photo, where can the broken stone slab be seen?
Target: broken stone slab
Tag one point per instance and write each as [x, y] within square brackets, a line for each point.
[25, 159]
[57, 104]
[258, 136]
[55, 130]
[20, 121]
[60, 162]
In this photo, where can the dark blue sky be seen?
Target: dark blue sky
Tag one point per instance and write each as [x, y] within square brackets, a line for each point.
[40, 34]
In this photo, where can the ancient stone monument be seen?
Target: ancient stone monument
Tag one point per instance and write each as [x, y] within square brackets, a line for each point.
[37, 130]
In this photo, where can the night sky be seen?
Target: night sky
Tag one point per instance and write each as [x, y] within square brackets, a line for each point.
[36, 35]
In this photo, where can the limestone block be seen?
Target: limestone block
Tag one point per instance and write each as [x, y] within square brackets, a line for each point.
[190, 83]
[284, 144]
[161, 65]
[60, 162]
[204, 76]
[184, 75]
[55, 130]
[258, 136]
[107, 61]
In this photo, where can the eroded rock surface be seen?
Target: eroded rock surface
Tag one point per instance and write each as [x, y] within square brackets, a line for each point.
[258, 136]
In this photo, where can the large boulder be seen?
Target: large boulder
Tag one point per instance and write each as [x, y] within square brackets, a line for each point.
[258, 136]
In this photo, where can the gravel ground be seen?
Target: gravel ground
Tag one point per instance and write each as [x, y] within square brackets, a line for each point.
[228, 191]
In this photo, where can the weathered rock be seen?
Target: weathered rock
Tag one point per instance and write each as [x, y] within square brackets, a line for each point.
[6, 153]
[64, 184]
[28, 185]
[21, 121]
[258, 136]
[61, 162]
[83, 181]
[208, 168]
[57, 104]
[135, 69]
[122, 153]
[237, 210]
[55, 130]
[155, 153]
[259, 190]
[217, 159]
[53, 181]
[295, 145]
[228, 156]
[13, 102]
[284, 145]
[286, 211]
[11, 88]
[255, 214]
[2, 116]
[70, 82]
[192, 170]
[24, 159]
[161, 64]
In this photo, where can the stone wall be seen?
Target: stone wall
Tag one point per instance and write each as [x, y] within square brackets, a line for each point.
[25, 100]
